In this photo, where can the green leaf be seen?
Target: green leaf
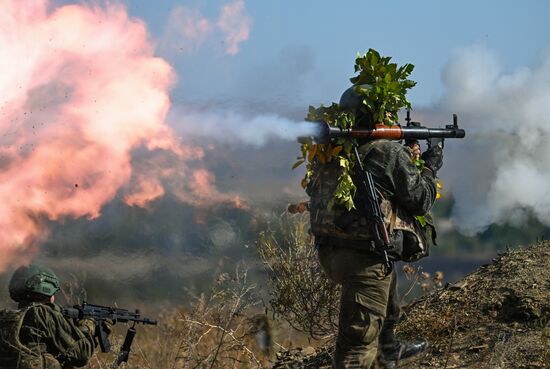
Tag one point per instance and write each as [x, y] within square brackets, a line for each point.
[422, 220]
[348, 146]
[298, 163]
[419, 163]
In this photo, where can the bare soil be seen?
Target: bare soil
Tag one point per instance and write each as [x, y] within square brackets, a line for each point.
[495, 317]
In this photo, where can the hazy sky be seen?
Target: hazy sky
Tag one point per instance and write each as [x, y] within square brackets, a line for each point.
[310, 45]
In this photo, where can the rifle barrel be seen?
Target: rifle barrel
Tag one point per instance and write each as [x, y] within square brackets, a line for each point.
[98, 312]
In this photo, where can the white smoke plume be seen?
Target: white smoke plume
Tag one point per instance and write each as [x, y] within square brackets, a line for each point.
[501, 170]
[231, 127]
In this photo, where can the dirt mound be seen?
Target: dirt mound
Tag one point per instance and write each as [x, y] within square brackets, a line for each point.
[496, 317]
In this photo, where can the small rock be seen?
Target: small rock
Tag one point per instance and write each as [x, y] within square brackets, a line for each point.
[308, 351]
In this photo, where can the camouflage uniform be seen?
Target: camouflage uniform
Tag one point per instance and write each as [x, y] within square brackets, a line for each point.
[38, 336]
[348, 256]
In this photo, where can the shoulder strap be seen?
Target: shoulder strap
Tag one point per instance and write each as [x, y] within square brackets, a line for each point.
[393, 218]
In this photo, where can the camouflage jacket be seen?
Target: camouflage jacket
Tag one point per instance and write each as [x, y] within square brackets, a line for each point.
[38, 336]
[406, 192]
[398, 178]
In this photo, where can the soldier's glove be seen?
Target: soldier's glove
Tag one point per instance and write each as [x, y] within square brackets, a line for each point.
[433, 159]
[87, 325]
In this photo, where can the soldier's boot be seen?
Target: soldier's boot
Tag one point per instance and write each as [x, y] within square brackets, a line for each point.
[391, 354]
[392, 349]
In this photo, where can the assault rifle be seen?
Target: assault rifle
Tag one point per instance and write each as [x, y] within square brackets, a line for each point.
[371, 209]
[100, 314]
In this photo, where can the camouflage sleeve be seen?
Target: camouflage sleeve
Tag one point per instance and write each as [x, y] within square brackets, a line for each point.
[63, 339]
[414, 191]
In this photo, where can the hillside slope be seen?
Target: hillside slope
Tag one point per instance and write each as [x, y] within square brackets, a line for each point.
[496, 317]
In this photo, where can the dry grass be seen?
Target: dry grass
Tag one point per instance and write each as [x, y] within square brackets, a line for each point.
[219, 330]
[300, 292]
[496, 317]
[228, 327]
[545, 340]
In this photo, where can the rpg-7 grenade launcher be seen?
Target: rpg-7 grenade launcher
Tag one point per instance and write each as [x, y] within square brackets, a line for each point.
[115, 315]
[411, 132]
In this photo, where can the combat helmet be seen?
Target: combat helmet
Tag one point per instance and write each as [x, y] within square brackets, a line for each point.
[351, 101]
[32, 281]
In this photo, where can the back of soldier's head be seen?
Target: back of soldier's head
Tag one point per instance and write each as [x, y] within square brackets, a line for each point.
[351, 101]
[33, 283]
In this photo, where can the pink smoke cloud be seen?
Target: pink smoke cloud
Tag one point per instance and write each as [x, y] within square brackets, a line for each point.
[186, 29]
[146, 190]
[80, 90]
[235, 24]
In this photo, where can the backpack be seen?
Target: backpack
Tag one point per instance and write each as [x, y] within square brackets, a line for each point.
[13, 353]
[335, 221]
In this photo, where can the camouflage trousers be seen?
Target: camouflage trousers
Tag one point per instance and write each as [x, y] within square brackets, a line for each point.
[44, 361]
[368, 297]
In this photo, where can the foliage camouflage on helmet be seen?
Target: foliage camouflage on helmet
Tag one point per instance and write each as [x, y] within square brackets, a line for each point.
[351, 102]
[382, 86]
[29, 281]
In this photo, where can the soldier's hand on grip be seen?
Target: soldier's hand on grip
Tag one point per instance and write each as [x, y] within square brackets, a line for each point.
[414, 146]
[433, 158]
[88, 325]
[107, 326]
